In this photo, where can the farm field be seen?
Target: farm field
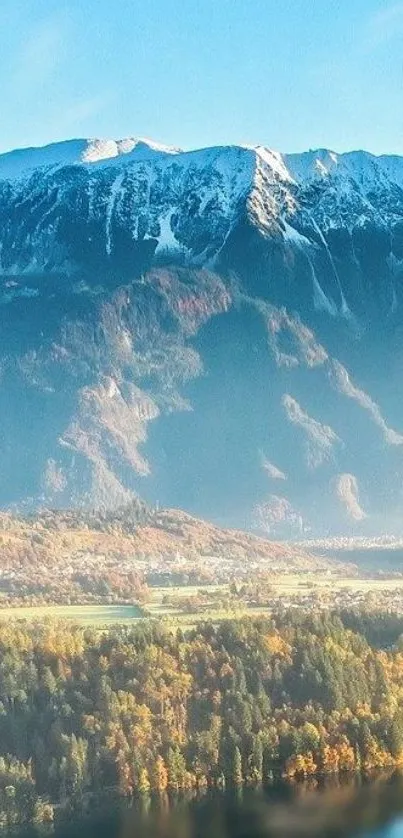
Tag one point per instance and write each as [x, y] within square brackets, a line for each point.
[291, 584]
[95, 615]
[176, 616]
[174, 604]
[295, 583]
[309, 590]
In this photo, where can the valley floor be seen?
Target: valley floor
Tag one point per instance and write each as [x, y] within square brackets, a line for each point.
[183, 606]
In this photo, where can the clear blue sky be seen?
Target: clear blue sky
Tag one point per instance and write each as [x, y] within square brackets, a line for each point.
[291, 74]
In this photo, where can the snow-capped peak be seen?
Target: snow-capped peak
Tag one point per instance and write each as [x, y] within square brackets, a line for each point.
[18, 163]
[98, 150]
[360, 166]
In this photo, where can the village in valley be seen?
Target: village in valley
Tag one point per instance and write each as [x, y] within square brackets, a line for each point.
[178, 569]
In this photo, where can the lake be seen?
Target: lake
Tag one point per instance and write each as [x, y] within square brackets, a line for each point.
[350, 807]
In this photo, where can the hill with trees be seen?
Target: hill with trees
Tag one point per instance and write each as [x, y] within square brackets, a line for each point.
[139, 712]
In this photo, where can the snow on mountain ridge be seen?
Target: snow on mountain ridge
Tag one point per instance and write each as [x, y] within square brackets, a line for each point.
[271, 182]
[360, 166]
[294, 168]
[21, 162]
[191, 201]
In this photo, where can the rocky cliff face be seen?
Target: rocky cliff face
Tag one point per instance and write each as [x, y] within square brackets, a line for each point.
[219, 330]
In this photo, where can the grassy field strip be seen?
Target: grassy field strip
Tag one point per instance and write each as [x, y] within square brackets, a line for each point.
[84, 614]
[295, 584]
[185, 590]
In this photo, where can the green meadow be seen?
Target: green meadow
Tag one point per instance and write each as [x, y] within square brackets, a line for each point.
[96, 615]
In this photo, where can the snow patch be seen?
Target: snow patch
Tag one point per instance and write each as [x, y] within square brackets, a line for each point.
[291, 234]
[166, 237]
[320, 301]
[113, 197]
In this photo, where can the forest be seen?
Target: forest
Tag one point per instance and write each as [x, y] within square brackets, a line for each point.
[142, 711]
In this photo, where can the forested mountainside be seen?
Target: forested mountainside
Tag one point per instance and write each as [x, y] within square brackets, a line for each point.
[218, 330]
[80, 557]
[139, 712]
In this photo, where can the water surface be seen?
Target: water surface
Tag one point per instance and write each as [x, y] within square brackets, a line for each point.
[351, 807]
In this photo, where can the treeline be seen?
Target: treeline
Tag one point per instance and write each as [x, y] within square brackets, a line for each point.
[143, 711]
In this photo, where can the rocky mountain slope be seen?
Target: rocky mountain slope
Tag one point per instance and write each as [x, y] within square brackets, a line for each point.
[219, 330]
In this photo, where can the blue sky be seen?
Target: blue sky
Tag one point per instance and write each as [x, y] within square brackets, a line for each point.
[292, 74]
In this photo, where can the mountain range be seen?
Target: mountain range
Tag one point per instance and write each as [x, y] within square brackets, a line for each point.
[218, 330]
